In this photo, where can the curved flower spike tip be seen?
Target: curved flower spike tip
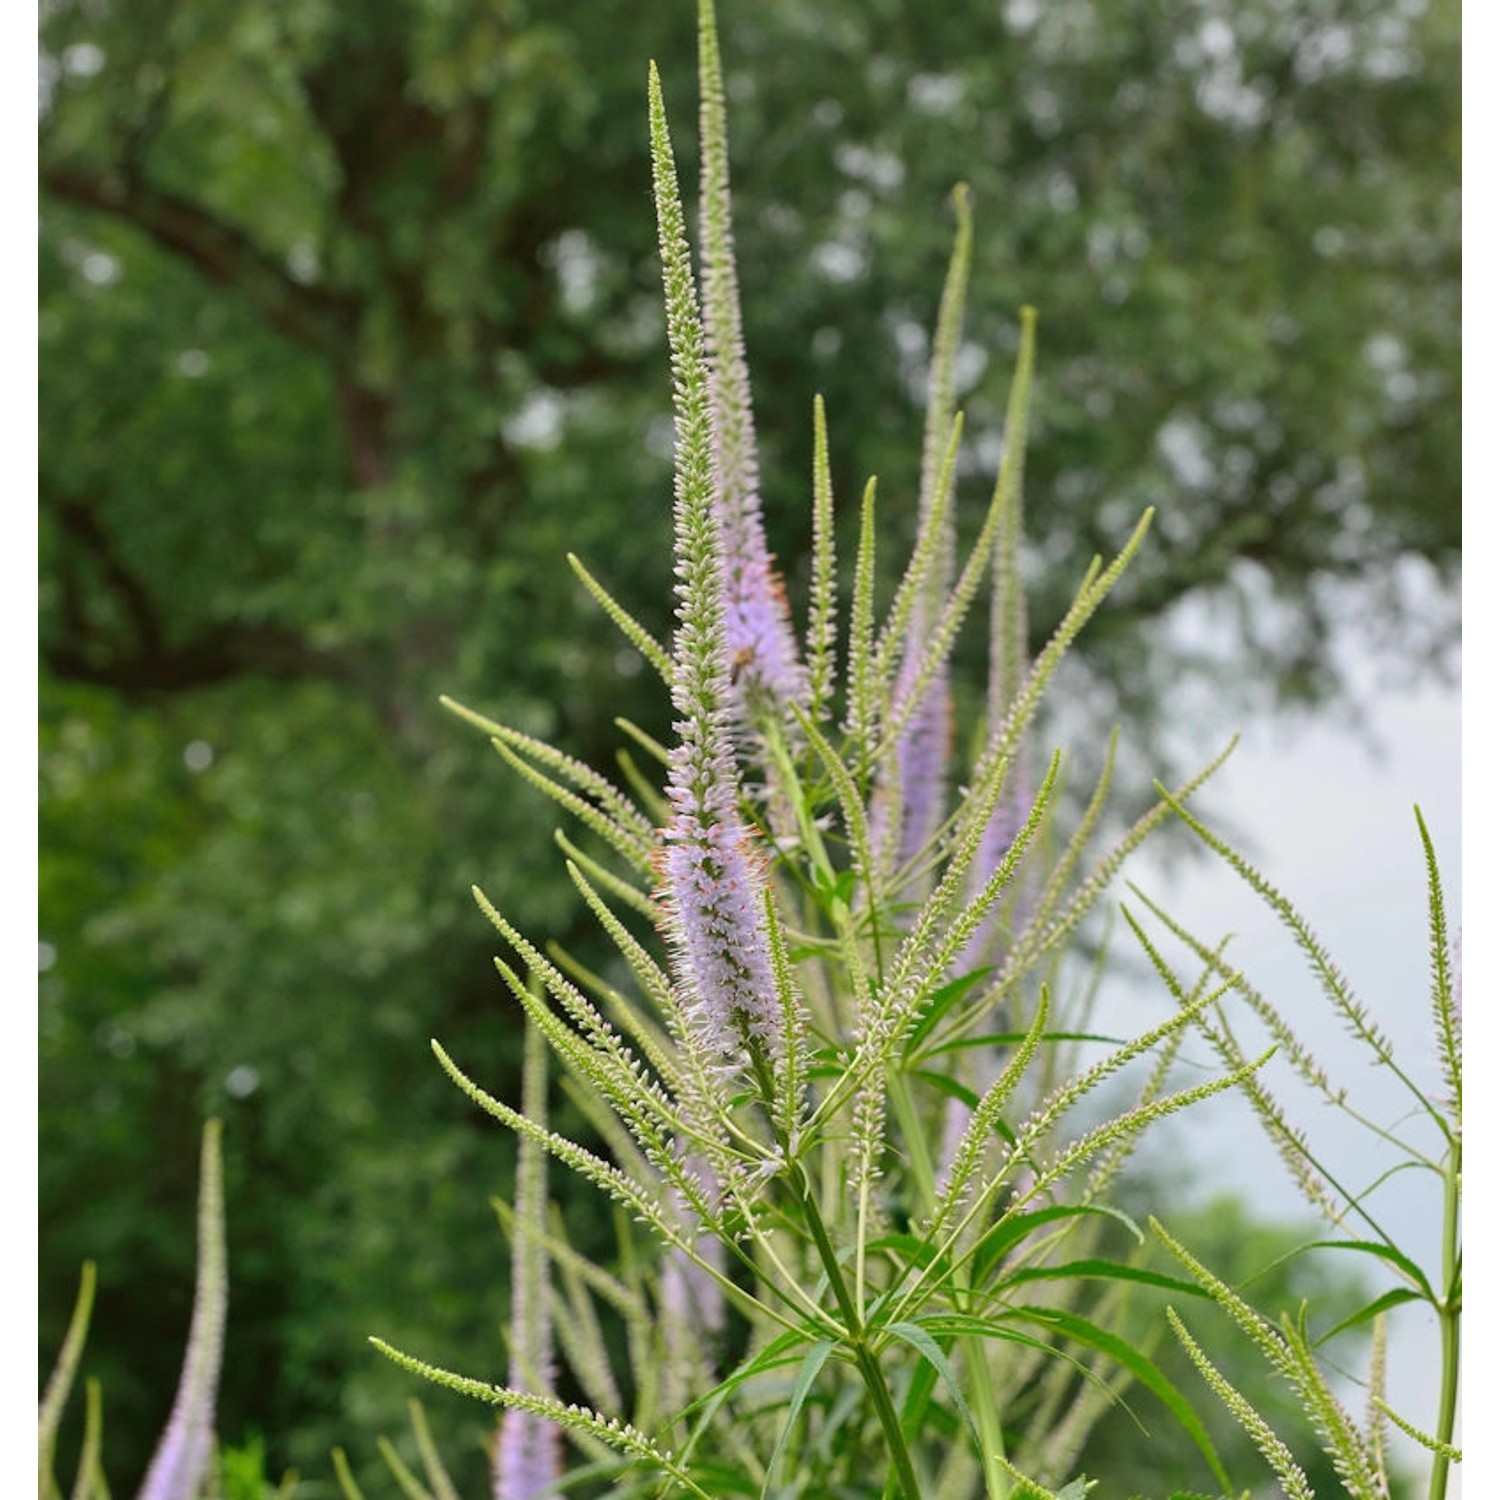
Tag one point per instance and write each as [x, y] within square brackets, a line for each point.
[182, 1457]
[766, 672]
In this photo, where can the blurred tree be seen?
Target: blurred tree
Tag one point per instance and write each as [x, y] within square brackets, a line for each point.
[350, 330]
[1262, 1262]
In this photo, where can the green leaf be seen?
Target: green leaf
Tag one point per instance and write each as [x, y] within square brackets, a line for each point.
[1388, 1253]
[812, 1363]
[777, 1355]
[1089, 1334]
[1108, 1270]
[1011, 1038]
[1393, 1298]
[960, 1091]
[925, 1345]
[1016, 1227]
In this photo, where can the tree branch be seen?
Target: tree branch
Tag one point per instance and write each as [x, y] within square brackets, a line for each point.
[80, 523]
[315, 317]
[220, 653]
[142, 661]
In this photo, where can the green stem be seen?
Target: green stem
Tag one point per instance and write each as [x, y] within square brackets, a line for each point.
[997, 1484]
[1448, 1322]
[807, 828]
[864, 1356]
[987, 1420]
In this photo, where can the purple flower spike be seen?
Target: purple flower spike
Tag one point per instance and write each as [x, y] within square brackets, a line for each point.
[528, 1457]
[922, 756]
[182, 1457]
[713, 883]
[764, 669]
[713, 891]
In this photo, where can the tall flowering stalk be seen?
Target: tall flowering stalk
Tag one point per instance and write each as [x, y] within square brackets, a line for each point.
[182, 1457]
[713, 879]
[528, 1447]
[909, 805]
[773, 1093]
[855, 1253]
[766, 670]
[1009, 656]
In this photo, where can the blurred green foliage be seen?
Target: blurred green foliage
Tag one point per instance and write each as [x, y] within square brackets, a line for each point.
[350, 330]
[1134, 1448]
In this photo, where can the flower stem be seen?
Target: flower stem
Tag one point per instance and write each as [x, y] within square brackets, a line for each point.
[997, 1485]
[864, 1356]
[1449, 1311]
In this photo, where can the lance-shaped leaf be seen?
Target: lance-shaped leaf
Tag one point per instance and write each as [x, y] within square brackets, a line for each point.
[713, 877]
[757, 623]
[182, 1457]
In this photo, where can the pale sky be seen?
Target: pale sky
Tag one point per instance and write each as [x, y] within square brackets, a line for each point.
[1334, 830]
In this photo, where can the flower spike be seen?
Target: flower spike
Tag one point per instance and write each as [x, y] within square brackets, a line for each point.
[713, 877]
[757, 622]
[1009, 657]
[186, 1447]
[925, 745]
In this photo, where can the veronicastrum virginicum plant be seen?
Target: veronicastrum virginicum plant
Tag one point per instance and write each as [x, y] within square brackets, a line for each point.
[833, 1078]
[843, 1101]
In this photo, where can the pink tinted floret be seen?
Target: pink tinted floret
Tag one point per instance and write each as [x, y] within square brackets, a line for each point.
[714, 883]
